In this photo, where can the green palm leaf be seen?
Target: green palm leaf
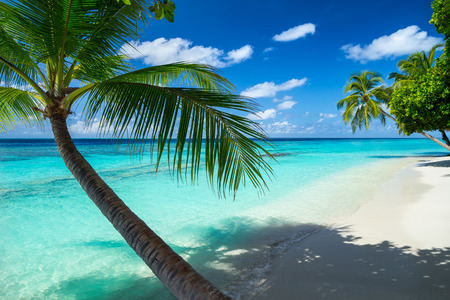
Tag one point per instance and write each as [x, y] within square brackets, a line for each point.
[138, 110]
[180, 74]
[17, 107]
[416, 64]
[365, 102]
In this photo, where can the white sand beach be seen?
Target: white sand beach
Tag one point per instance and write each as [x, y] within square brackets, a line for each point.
[395, 247]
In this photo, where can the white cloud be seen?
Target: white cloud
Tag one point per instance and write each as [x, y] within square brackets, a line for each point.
[324, 116]
[268, 49]
[269, 89]
[27, 87]
[285, 98]
[295, 33]
[239, 55]
[263, 115]
[286, 105]
[163, 51]
[404, 41]
[308, 129]
[280, 128]
[80, 127]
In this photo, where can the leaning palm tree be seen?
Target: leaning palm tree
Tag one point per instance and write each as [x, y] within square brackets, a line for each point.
[417, 64]
[367, 97]
[414, 65]
[55, 54]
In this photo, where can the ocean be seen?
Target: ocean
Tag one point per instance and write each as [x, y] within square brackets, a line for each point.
[55, 243]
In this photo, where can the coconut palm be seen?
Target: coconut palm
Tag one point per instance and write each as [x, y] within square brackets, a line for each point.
[366, 101]
[55, 54]
[416, 64]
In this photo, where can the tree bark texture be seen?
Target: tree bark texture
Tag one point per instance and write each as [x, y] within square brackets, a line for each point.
[176, 274]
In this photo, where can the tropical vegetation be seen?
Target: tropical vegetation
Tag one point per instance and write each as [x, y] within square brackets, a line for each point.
[368, 100]
[55, 54]
[419, 99]
[424, 104]
[365, 101]
[415, 65]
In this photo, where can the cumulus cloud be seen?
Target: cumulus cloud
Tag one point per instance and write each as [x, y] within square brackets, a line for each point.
[269, 89]
[402, 42]
[268, 49]
[163, 51]
[295, 33]
[280, 128]
[286, 105]
[324, 116]
[263, 115]
[80, 127]
[285, 98]
[239, 55]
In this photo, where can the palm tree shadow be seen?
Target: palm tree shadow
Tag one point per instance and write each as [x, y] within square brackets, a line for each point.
[336, 266]
[237, 259]
[437, 164]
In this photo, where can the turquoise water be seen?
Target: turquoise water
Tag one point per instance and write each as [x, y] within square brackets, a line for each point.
[57, 245]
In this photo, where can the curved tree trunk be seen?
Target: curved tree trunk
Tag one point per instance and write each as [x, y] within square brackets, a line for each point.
[445, 137]
[446, 146]
[435, 140]
[181, 279]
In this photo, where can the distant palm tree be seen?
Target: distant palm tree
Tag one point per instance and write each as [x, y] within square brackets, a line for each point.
[366, 101]
[48, 46]
[416, 64]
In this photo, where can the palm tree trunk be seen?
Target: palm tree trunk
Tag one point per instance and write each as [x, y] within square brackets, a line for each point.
[178, 276]
[445, 137]
[435, 140]
[388, 115]
[446, 146]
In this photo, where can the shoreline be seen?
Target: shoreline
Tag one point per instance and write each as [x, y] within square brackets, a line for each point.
[397, 246]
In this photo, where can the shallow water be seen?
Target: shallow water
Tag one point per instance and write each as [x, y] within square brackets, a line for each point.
[57, 245]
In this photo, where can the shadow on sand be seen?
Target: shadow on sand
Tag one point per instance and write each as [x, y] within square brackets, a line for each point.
[327, 264]
[438, 164]
[333, 266]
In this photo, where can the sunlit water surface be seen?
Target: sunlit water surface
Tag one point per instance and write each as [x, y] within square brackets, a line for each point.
[55, 244]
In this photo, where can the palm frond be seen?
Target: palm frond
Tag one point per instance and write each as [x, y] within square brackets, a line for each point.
[180, 74]
[232, 143]
[355, 86]
[364, 104]
[38, 25]
[11, 53]
[98, 70]
[16, 107]
[347, 100]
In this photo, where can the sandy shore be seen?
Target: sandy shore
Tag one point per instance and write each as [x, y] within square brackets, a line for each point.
[395, 247]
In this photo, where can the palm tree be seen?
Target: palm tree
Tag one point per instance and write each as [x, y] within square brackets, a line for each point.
[416, 64]
[55, 53]
[365, 103]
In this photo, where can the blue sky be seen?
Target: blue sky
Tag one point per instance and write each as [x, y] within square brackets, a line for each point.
[293, 57]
